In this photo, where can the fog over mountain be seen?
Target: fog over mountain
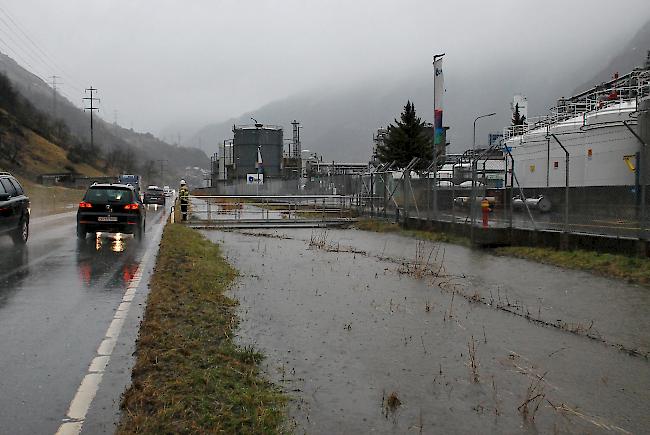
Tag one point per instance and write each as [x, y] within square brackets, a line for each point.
[342, 68]
[107, 136]
[339, 123]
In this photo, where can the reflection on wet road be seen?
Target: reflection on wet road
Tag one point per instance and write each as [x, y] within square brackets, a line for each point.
[57, 297]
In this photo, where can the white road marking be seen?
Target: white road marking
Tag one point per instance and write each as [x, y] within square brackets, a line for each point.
[107, 346]
[85, 395]
[76, 415]
[99, 364]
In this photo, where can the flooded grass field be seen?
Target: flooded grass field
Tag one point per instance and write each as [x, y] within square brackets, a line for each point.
[386, 334]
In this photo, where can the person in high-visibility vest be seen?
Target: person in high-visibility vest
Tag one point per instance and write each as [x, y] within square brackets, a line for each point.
[184, 196]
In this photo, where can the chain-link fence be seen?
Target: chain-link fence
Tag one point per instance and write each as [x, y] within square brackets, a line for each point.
[486, 199]
[483, 191]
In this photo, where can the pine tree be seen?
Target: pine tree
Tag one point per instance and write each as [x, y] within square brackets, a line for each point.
[406, 139]
[518, 119]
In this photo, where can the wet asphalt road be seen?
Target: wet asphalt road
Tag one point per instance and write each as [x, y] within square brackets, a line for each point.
[58, 296]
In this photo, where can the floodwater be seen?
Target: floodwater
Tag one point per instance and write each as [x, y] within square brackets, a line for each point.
[385, 334]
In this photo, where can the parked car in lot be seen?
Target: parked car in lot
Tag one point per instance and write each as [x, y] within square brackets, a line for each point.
[154, 195]
[113, 208]
[14, 209]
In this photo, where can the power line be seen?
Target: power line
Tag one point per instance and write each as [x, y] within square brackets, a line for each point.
[37, 52]
[54, 84]
[21, 58]
[19, 44]
[37, 46]
[162, 166]
[92, 108]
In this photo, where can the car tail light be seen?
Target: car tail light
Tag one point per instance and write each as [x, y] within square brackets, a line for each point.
[133, 206]
[84, 204]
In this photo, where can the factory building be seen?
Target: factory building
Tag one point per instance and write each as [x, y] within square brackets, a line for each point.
[237, 158]
[247, 139]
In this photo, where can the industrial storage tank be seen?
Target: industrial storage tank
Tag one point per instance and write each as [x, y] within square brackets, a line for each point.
[247, 139]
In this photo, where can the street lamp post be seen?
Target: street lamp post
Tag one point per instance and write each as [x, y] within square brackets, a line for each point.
[477, 118]
[472, 205]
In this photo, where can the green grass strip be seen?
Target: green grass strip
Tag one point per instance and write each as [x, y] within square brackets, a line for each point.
[381, 226]
[190, 376]
[631, 269]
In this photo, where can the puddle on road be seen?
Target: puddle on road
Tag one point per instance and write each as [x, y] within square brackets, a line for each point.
[367, 340]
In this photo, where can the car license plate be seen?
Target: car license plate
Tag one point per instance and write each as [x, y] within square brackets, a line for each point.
[106, 219]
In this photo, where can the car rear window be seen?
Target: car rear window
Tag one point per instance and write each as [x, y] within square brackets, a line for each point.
[9, 188]
[17, 185]
[154, 190]
[108, 195]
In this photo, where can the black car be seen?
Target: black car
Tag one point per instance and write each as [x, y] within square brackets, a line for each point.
[14, 209]
[154, 195]
[113, 208]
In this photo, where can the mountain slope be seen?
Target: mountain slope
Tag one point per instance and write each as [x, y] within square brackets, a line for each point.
[136, 149]
[26, 153]
[633, 54]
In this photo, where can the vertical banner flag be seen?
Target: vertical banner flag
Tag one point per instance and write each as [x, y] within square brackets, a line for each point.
[258, 164]
[438, 93]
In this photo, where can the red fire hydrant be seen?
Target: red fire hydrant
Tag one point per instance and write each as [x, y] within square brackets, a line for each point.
[485, 208]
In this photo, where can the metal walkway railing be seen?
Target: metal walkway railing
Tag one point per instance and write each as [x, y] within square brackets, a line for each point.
[251, 211]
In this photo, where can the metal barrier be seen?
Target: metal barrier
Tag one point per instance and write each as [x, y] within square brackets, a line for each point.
[272, 211]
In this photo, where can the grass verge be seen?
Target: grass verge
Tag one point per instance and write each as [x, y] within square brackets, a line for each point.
[46, 200]
[631, 269]
[189, 375]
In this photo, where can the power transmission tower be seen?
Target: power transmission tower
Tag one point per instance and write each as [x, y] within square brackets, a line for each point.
[162, 166]
[53, 85]
[92, 107]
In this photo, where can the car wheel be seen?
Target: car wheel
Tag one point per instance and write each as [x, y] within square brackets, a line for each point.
[81, 232]
[22, 233]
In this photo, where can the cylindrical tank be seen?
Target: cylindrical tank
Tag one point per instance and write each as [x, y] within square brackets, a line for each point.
[247, 139]
[541, 203]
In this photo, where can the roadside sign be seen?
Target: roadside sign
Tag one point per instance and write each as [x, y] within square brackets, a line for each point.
[254, 178]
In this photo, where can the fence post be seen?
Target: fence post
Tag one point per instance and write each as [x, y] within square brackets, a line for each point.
[453, 196]
[644, 124]
[385, 192]
[372, 194]
[512, 191]
[566, 193]
[435, 183]
[472, 200]
[405, 195]
[428, 194]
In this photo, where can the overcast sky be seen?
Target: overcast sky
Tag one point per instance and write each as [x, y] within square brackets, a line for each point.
[178, 64]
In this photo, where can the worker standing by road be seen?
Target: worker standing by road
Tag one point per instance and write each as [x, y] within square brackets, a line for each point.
[184, 196]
